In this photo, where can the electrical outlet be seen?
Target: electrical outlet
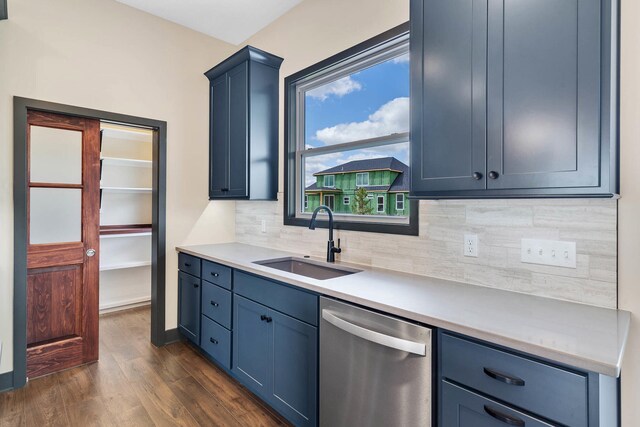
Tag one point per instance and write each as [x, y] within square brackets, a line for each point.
[471, 245]
[263, 226]
[548, 252]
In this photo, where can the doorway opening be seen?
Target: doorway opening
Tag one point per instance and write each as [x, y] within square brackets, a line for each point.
[137, 225]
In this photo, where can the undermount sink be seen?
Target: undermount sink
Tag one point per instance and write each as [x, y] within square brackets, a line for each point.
[307, 268]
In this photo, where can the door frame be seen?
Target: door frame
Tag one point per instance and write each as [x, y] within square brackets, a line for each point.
[21, 105]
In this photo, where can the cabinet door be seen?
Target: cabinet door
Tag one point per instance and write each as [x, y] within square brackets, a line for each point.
[238, 131]
[463, 408]
[252, 345]
[295, 369]
[219, 138]
[189, 306]
[543, 93]
[448, 95]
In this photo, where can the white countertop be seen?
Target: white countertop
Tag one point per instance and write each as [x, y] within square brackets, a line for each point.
[587, 337]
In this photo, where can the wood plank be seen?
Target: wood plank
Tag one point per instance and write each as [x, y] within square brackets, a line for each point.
[41, 256]
[44, 404]
[55, 356]
[124, 229]
[206, 410]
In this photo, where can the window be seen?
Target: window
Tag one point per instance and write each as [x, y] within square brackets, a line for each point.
[328, 201]
[330, 181]
[399, 201]
[362, 179]
[306, 202]
[370, 196]
[347, 134]
[380, 203]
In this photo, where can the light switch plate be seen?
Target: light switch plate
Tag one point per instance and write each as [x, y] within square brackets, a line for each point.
[471, 245]
[548, 252]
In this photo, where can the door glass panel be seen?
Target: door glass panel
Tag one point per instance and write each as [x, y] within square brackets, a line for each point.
[55, 155]
[55, 215]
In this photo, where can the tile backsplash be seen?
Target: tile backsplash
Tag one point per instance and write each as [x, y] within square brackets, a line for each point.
[438, 252]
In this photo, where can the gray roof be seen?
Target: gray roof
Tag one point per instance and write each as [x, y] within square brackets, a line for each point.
[401, 182]
[381, 163]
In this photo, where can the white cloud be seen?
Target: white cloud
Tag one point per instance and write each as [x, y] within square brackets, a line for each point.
[339, 88]
[402, 59]
[392, 117]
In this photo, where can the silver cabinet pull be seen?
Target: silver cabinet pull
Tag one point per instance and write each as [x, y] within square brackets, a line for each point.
[91, 252]
[386, 340]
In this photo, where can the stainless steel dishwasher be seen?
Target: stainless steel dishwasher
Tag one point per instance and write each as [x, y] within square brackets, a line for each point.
[375, 370]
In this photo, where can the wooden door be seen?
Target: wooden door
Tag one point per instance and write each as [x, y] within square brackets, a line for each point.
[63, 241]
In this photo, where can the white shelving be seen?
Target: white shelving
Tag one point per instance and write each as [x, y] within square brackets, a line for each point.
[131, 264]
[128, 189]
[125, 216]
[119, 161]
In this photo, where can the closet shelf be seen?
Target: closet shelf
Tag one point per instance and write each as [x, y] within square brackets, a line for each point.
[119, 161]
[132, 264]
[125, 229]
[127, 189]
[141, 135]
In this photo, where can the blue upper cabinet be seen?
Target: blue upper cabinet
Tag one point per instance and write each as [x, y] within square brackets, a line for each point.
[243, 126]
[513, 98]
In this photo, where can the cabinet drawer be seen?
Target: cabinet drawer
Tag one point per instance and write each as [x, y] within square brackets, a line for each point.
[216, 304]
[216, 273]
[216, 342]
[189, 264]
[294, 302]
[463, 408]
[548, 391]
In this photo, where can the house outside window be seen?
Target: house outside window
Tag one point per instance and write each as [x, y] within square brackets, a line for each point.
[362, 179]
[381, 207]
[399, 201]
[328, 201]
[347, 138]
[330, 181]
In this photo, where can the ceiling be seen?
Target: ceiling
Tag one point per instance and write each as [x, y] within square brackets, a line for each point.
[232, 21]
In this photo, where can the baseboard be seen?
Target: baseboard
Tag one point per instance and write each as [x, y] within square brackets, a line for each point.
[171, 336]
[124, 304]
[6, 381]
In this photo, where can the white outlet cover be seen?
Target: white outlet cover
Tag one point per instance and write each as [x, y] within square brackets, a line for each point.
[470, 245]
[548, 252]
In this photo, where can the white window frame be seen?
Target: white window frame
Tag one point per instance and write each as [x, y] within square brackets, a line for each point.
[333, 179]
[333, 201]
[362, 175]
[383, 52]
[306, 202]
[399, 201]
[346, 200]
[378, 204]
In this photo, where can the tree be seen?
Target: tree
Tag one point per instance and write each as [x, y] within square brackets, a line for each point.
[361, 205]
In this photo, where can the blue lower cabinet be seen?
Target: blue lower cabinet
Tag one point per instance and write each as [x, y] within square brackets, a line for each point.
[189, 306]
[216, 342]
[464, 408]
[295, 369]
[276, 356]
[216, 303]
[251, 345]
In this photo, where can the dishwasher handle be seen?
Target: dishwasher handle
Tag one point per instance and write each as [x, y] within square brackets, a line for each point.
[386, 340]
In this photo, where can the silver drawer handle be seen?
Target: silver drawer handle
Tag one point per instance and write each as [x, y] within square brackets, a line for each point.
[386, 340]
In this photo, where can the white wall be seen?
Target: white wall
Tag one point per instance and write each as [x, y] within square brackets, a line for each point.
[629, 205]
[104, 55]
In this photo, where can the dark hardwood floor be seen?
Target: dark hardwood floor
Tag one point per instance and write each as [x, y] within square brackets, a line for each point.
[136, 384]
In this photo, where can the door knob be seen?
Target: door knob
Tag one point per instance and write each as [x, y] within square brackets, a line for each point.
[91, 252]
[477, 176]
[494, 175]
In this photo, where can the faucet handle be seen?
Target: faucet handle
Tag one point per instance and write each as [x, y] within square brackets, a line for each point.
[337, 249]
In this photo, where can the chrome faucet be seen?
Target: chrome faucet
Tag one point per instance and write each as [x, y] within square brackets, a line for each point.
[332, 250]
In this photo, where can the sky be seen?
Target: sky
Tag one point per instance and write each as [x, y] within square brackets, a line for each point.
[372, 102]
